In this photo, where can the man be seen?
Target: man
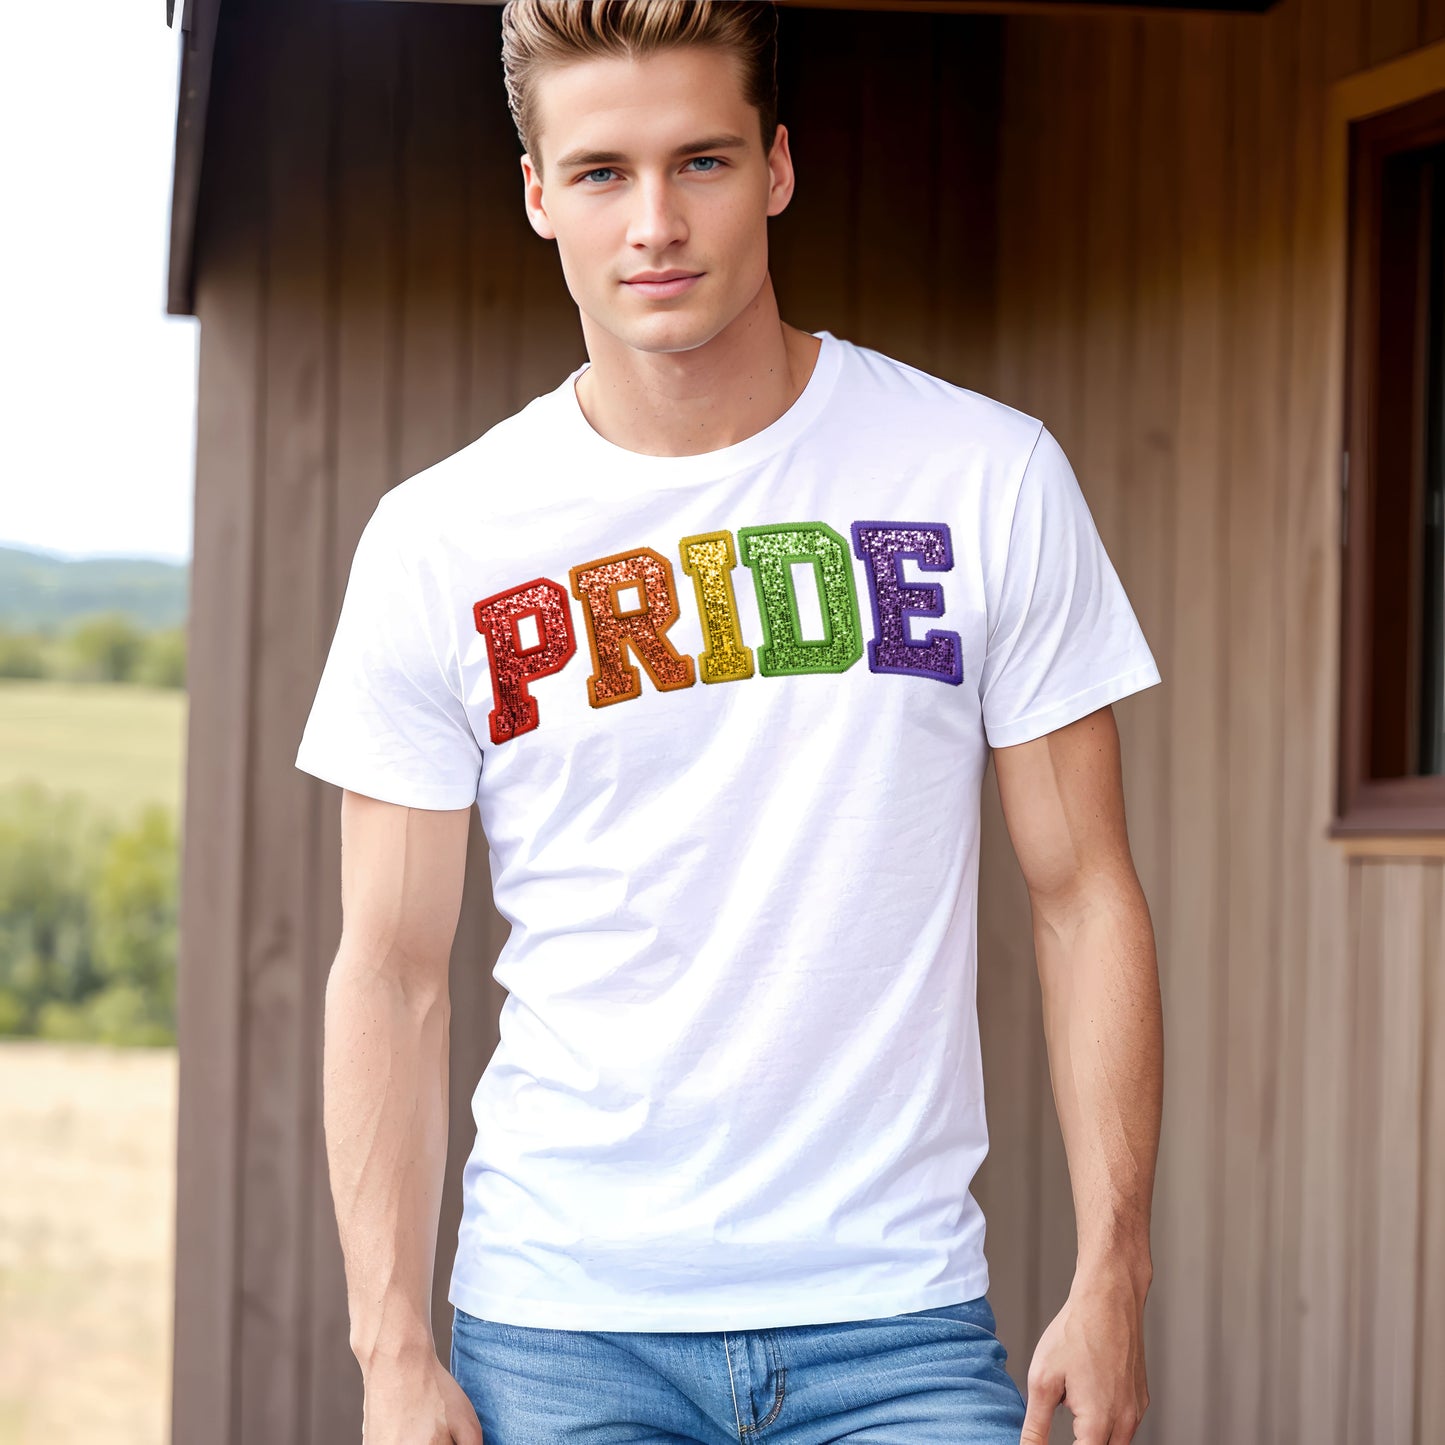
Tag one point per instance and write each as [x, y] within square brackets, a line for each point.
[718, 636]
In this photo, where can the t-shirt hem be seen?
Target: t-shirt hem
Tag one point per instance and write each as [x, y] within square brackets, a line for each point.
[387, 789]
[807, 1307]
[1070, 709]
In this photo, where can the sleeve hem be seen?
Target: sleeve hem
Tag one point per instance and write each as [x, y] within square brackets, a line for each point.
[387, 787]
[1070, 709]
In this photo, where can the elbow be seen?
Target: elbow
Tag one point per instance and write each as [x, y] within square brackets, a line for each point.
[418, 978]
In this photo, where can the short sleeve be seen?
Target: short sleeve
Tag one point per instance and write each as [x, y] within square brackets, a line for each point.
[1062, 637]
[386, 720]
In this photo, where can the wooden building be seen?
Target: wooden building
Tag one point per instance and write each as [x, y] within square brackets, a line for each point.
[1134, 223]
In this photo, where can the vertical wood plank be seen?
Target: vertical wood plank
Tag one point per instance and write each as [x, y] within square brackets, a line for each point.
[1278, 100]
[1361, 1197]
[362, 200]
[1185, 1306]
[1430, 1324]
[1346, 29]
[434, 378]
[497, 230]
[1076, 51]
[813, 244]
[1328, 1165]
[210, 985]
[1394, 27]
[895, 102]
[962, 310]
[284, 977]
[1147, 558]
[1098, 148]
[1308, 1313]
[1398, 974]
[1432, 21]
[1008, 992]
[1251, 938]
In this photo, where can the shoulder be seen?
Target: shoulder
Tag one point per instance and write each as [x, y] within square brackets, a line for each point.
[438, 495]
[917, 403]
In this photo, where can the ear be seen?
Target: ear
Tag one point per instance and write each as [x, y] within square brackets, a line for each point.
[780, 172]
[533, 202]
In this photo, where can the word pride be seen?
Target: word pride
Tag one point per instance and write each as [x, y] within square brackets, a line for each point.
[710, 560]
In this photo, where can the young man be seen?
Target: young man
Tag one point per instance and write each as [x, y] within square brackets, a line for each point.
[718, 636]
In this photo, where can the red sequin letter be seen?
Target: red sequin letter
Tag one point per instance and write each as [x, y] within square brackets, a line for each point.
[514, 710]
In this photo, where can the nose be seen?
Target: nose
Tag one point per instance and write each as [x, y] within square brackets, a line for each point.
[656, 220]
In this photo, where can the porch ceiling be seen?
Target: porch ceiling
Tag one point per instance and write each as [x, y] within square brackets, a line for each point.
[199, 21]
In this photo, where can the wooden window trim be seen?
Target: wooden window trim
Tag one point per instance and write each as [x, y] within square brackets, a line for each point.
[1397, 105]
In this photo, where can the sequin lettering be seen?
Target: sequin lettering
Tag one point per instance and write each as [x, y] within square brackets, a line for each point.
[770, 552]
[709, 559]
[630, 601]
[613, 628]
[514, 709]
[883, 546]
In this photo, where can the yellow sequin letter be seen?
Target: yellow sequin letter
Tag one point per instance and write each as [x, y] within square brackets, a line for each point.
[709, 560]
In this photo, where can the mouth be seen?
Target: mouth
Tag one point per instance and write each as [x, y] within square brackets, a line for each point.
[661, 284]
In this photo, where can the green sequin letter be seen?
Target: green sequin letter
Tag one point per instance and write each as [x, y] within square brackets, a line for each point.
[770, 552]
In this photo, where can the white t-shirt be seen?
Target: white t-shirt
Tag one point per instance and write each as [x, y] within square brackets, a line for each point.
[726, 717]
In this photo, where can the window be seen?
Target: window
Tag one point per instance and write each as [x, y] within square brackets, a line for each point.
[1392, 719]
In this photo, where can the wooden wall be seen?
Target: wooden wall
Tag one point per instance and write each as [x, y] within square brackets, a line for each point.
[1115, 223]
[1167, 298]
[371, 298]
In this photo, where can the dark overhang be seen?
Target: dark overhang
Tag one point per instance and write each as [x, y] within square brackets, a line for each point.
[198, 27]
[199, 20]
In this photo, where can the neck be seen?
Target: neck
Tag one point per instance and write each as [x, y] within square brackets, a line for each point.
[680, 403]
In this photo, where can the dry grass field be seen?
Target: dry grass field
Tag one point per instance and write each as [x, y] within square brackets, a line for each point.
[87, 1203]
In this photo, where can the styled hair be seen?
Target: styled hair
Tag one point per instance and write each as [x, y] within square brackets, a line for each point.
[538, 34]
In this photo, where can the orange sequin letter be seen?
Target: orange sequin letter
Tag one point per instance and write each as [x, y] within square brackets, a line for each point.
[611, 629]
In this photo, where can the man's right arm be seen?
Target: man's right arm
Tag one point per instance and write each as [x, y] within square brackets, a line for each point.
[385, 1061]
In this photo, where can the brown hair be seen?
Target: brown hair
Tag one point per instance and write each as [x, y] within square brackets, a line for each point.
[541, 33]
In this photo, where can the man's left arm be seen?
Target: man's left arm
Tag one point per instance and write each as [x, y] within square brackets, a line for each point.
[1063, 802]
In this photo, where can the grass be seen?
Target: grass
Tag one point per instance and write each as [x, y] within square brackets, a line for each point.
[120, 744]
[87, 1132]
[87, 1225]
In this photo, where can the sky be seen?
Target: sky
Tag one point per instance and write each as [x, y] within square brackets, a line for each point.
[97, 383]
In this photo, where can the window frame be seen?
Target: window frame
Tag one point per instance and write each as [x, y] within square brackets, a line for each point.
[1377, 113]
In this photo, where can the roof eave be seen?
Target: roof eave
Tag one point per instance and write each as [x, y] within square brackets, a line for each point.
[198, 27]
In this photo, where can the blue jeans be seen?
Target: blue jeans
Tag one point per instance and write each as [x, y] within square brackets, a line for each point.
[936, 1375]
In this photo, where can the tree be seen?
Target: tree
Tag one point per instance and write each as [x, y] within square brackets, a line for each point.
[106, 648]
[20, 655]
[163, 663]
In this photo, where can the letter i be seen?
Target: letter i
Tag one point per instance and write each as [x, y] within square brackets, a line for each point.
[708, 558]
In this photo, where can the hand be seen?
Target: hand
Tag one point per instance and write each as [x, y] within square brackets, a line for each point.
[415, 1401]
[1091, 1358]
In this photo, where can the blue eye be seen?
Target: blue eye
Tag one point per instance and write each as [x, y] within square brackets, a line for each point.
[711, 164]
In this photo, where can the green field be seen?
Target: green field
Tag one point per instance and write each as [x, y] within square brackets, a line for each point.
[119, 744]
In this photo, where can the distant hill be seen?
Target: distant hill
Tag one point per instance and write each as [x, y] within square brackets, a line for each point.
[41, 590]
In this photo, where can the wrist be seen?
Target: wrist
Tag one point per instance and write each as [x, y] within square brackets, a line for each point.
[394, 1342]
[1127, 1262]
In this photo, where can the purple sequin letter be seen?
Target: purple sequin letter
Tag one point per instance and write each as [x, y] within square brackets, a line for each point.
[883, 546]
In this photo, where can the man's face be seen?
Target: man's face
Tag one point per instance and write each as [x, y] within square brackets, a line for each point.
[656, 166]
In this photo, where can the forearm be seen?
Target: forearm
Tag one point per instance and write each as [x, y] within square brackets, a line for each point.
[1104, 1029]
[385, 1118]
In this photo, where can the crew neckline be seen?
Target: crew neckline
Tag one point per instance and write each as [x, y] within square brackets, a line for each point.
[720, 461]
